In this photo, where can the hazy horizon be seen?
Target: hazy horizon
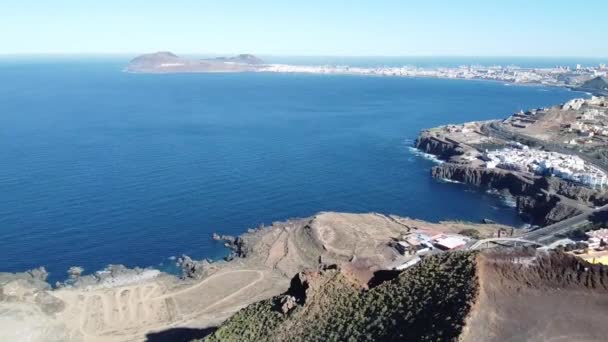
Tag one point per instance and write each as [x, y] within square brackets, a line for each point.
[315, 28]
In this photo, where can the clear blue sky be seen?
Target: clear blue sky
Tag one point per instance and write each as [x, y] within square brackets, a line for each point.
[313, 27]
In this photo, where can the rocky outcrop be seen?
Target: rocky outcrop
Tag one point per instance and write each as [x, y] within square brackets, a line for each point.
[532, 193]
[497, 179]
[192, 268]
[545, 210]
[236, 245]
[576, 192]
[35, 278]
[431, 144]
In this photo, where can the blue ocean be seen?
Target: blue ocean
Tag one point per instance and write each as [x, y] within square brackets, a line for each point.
[99, 166]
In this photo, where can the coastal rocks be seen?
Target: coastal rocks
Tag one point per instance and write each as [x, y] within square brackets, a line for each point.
[443, 149]
[36, 278]
[111, 276]
[574, 104]
[235, 244]
[545, 210]
[75, 272]
[532, 194]
[589, 196]
[192, 268]
[29, 287]
[491, 178]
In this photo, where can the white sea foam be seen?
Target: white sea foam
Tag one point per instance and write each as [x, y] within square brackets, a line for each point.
[128, 279]
[426, 156]
[447, 180]
[525, 226]
[506, 199]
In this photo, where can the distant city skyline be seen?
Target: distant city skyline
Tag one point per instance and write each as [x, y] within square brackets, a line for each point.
[313, 28]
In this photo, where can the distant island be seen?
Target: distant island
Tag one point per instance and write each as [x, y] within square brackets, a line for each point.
[167, 62]
[590, 79]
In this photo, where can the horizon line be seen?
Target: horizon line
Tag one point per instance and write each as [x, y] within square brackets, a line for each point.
[52, 54]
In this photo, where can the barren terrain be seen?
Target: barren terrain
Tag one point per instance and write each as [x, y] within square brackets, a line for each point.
[120, 310]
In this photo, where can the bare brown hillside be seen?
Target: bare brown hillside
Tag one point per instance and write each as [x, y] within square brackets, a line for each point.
[492, 296]
[538, 297]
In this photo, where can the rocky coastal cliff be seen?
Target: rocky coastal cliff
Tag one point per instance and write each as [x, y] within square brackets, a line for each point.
[517, 184]
[540, 200]
[443, 149]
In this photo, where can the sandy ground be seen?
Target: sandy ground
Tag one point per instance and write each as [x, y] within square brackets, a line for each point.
[130, 312]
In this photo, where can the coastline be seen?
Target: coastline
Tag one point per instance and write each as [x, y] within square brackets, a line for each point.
[261, 265]
[541, 200]
[416, 151]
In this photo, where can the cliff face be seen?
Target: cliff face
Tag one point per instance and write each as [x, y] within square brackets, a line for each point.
[532, 196]
[491, 178]
[545, 210]
[443, 149]
[586, 195]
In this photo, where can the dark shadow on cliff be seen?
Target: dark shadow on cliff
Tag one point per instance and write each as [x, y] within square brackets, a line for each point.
[179, 334]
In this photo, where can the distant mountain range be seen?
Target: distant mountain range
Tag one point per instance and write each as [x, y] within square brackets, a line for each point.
[168, 62]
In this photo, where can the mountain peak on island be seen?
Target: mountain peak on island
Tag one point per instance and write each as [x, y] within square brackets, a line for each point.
[243, 58]
[154, 57]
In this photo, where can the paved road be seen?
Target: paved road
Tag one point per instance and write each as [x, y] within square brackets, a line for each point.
[545, 234]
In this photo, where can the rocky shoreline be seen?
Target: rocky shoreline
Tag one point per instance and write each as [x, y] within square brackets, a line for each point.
[121, 304]
[541, 200]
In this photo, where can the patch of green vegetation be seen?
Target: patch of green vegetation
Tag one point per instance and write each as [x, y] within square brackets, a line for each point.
[471, 232]
[428, 302]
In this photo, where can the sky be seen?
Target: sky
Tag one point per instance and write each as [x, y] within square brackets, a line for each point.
[555, 28]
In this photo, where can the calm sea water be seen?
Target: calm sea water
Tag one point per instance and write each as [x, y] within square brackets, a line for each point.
[99, 166]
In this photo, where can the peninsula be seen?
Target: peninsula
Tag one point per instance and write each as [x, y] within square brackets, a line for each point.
[553, 160]
[589, 78]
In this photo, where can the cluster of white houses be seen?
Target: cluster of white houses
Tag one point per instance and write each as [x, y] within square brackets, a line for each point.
[568, 167]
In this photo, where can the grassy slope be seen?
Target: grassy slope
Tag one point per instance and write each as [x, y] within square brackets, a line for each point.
[428, 302]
